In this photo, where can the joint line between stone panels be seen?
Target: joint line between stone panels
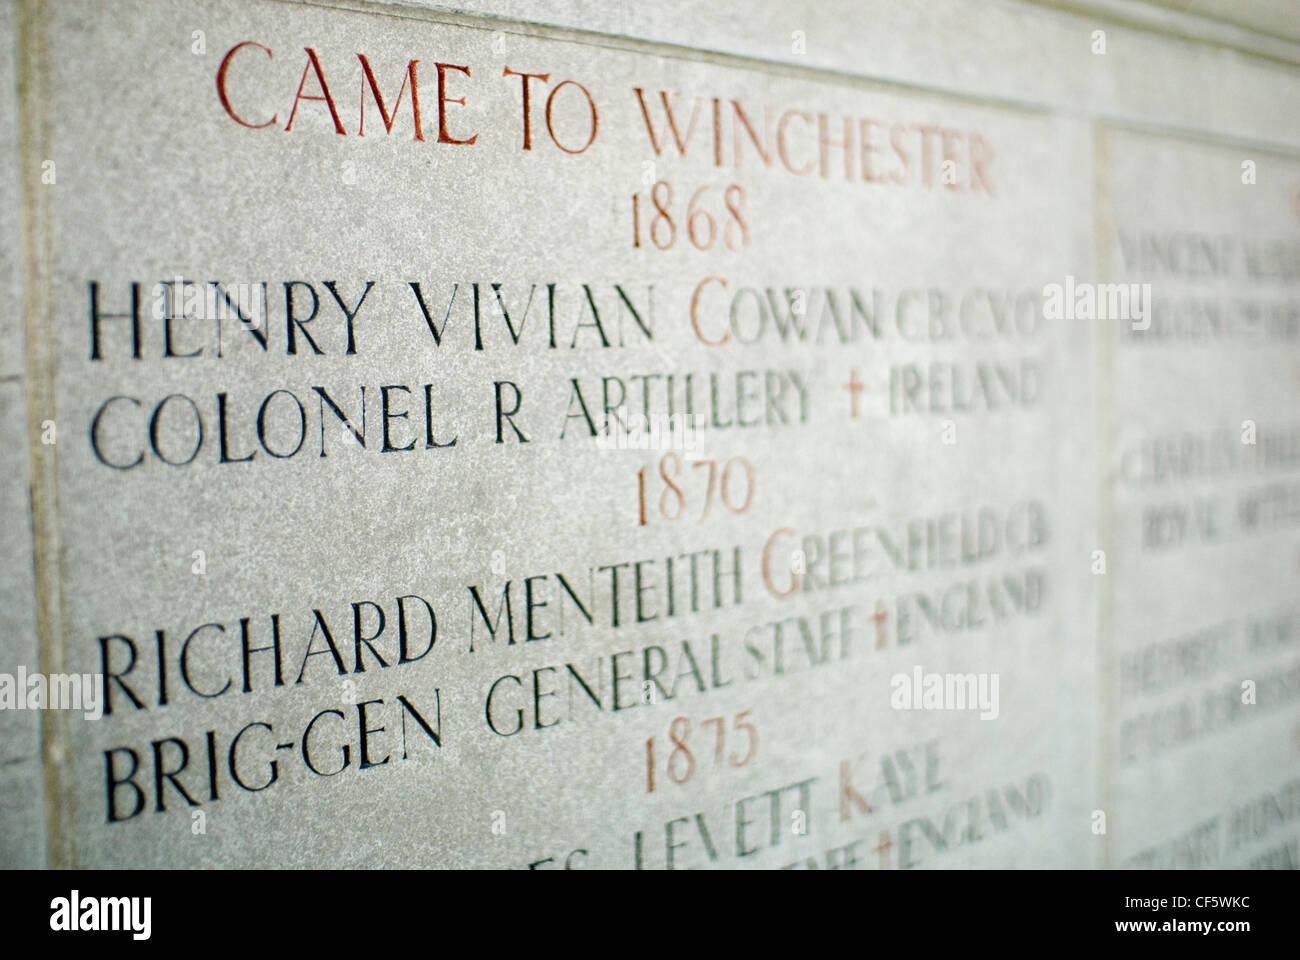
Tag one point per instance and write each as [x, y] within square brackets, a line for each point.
[39, 373]
[1199, 137]
[1105, 433]
[1182, 25]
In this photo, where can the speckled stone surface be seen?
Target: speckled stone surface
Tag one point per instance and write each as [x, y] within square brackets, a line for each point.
[837, 256]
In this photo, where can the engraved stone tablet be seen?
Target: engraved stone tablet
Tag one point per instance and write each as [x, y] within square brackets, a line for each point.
[616, 440]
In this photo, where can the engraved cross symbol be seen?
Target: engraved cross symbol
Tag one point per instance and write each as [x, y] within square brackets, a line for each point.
[854, 387]
[879, 617]
[882, 848]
